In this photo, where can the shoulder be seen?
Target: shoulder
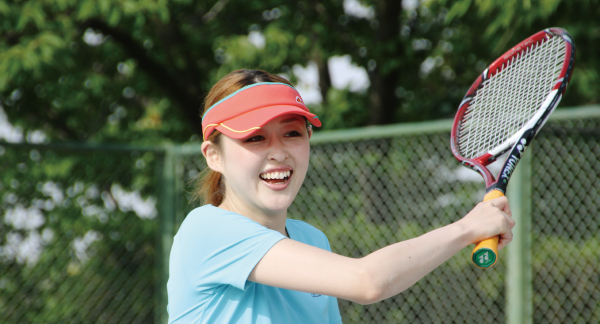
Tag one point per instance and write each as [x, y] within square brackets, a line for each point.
[209, 214]
[208, 229]
[206, 211]
[306, 233]
[302, 226]
[208, 221]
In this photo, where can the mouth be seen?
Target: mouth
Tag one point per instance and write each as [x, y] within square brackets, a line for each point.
[276, 177]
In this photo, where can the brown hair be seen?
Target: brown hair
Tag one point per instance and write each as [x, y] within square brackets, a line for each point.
[209, 186]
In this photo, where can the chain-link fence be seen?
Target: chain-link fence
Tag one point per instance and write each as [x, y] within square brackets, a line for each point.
[77, 234]
[96, 255]
[566, 222]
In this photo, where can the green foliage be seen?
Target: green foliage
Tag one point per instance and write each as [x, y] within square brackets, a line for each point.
[344, 109]
[96, 70]
[505, 23]
[89, 258]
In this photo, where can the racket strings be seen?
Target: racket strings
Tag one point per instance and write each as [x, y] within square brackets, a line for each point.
[505, 102]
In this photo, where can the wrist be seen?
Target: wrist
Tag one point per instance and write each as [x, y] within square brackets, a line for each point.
[464, 234]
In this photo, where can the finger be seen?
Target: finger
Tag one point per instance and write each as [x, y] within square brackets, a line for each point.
[511, 221]
[504, 240]
[502, 204]
[506, 237]
[508, 218]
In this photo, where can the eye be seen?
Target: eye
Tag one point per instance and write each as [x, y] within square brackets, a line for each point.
[256, 138]
[293, 134]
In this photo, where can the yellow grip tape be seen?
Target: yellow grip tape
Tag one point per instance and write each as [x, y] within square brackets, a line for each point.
[485, 253]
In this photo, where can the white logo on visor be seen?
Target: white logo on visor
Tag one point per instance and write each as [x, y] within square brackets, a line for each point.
[299, 100]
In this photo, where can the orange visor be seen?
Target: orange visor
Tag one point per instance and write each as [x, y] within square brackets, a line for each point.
[243, 112]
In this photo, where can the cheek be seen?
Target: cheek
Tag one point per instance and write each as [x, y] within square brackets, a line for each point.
[242, 164]
[232, 167]
[303, 156]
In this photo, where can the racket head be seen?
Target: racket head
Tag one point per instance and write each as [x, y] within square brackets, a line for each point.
[510, 101]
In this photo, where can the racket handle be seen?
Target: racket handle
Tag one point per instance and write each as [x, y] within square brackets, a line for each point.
[485, 253]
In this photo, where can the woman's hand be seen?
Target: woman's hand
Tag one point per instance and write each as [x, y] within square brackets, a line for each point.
[489, 219]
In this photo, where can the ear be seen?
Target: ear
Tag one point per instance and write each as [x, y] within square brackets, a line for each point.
[212, 156]
[310, 131]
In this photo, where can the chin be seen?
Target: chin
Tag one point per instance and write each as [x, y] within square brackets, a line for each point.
[277, 207]
[278, 204]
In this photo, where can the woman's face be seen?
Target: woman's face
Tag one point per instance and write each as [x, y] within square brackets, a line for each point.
[264, 172]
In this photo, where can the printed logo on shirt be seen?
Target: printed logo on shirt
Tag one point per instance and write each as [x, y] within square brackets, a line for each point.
[315, 295]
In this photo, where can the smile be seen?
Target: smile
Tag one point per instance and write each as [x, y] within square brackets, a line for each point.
[278, 177]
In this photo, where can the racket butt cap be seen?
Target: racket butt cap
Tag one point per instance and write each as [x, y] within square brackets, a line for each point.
[485, 253]
[484, 258]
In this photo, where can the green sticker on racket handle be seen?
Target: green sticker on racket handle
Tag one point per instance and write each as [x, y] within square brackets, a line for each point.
[484, 258]
[485, 253]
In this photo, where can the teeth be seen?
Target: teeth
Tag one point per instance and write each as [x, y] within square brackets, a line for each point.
[276, 175]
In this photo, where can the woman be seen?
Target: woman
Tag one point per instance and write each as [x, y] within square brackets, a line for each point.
[240, 260]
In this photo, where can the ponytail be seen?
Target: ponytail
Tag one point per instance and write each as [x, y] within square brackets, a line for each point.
[210, 187]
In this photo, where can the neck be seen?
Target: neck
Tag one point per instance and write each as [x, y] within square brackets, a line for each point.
[274, 220]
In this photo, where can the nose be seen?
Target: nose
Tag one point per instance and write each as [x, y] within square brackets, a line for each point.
[277, 150]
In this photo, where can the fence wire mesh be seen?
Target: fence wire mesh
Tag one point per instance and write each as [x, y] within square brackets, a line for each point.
[566, 222]
[77, 244]
[77, 235]
[366, 194]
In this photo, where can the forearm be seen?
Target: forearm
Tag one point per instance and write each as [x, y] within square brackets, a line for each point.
[396, 267]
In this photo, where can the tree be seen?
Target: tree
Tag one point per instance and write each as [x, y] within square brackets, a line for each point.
[83, 70]
[509, 22]
[138, 70]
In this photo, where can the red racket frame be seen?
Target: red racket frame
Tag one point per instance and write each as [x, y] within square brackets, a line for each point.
[479, 163]
[485, 253]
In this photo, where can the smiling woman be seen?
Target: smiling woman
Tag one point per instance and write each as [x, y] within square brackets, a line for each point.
[256, 130]
[210, 187]
[257, 187]
[239, 259]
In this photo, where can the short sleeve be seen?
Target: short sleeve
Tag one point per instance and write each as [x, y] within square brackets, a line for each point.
[334, 311]
[219, 247]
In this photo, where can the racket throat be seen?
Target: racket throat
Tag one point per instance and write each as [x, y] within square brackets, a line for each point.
[512, 160]
[479, 167]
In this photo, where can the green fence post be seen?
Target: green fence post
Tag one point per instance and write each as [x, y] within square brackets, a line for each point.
[519, 306]
[178, 187]
[167, 208]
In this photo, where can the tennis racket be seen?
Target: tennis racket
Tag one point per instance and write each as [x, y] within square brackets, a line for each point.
[505, 108]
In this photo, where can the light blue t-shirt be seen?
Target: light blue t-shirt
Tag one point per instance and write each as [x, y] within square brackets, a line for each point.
[213, 253]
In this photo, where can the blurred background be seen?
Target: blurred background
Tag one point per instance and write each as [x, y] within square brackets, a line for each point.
[100, 133]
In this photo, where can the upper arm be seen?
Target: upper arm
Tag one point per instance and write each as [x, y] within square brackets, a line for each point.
[211, 254]
[294, 265]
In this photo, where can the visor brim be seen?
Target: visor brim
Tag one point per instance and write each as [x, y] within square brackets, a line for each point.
[244, 125]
